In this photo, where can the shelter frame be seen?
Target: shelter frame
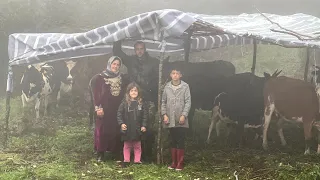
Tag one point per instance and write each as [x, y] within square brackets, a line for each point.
[200, 26]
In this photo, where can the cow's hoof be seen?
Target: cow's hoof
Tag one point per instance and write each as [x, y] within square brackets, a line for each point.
[318, 151]
[265, 147]
[208, 141]
[306, 152]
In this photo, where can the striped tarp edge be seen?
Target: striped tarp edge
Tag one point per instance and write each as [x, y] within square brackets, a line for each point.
[30, 48]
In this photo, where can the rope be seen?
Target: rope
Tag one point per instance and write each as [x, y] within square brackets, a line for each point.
[315, 67]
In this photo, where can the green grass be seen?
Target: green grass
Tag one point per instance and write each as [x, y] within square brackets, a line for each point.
[62, 148]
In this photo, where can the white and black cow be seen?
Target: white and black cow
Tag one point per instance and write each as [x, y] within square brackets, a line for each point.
[315, 78]
[240, 104]
[62, 79]
[44, 81]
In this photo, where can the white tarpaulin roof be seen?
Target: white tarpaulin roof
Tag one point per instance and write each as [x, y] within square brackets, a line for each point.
[209, 31]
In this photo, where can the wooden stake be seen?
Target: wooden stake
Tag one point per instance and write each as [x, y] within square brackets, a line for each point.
[306, 68]
[253, 68]
[159, 142]
[7, 115]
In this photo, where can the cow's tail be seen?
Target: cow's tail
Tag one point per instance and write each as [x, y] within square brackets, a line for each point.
[216, 102]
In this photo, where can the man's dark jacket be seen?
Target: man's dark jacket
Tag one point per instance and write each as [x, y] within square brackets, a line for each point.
[144, 71]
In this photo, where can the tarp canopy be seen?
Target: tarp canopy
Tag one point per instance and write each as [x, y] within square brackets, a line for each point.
[208, 32]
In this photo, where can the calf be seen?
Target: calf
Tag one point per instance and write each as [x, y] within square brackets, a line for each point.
[222, 112]
[35, 86]
[42, 81]
[241, 103]
[62, 78]
[291, 100]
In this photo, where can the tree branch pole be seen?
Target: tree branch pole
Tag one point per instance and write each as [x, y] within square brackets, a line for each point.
[296, 34]
[8, 96]
[254, 61]
[306, 68]
[159, 142]
[187, 46]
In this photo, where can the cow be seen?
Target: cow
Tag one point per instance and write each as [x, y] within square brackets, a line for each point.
[62, 79]
[204, 79]
[44, 81]
[240, 103]
[291, 100]
[35, 86]
[315, 78]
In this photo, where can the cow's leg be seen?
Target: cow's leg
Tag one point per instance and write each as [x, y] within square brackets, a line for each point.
[214, 120]
[318, 150]
[58, 98]
[24, 103]
[190, 121]
[269, 109]
[240, 132]
[218, 127]
[307, 127]
[46, 101]
[37, 108]
[280, 131]
[23, 99]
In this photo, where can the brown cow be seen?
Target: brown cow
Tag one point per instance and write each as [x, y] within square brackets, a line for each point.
[291, 100]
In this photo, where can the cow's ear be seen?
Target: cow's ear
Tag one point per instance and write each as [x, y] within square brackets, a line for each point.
[317, 125]
[267, 75]
[276, 74]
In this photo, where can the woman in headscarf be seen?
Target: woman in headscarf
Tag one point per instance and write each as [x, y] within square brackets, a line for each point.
[107, 91]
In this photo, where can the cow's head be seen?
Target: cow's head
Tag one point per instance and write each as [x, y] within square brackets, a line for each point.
[257, 83]
[64, 71]
[31, 81]
[275, 74]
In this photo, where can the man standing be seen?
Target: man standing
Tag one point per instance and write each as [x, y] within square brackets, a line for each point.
[142, 69]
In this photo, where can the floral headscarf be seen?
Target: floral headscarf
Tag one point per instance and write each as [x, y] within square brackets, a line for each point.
[108, 71]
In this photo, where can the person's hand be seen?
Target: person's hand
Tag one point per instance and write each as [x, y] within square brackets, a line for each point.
[123, 127]
[100, 112]
[143, 129]
[182, 120]
[166, 119]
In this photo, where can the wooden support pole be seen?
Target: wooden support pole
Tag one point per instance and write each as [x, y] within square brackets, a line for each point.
[187, 46]
[306, 67]
[254, 61]
[159, 137]
[7, 115]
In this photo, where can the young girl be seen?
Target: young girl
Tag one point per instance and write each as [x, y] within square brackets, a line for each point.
[132, 117]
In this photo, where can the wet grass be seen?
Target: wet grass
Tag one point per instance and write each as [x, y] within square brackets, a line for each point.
[61, 147]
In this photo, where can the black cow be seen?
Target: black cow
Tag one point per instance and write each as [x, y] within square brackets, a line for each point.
[204, 79]
[43, 80]
[241, 102]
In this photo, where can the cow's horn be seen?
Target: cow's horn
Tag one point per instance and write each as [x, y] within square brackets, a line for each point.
[279, 72]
